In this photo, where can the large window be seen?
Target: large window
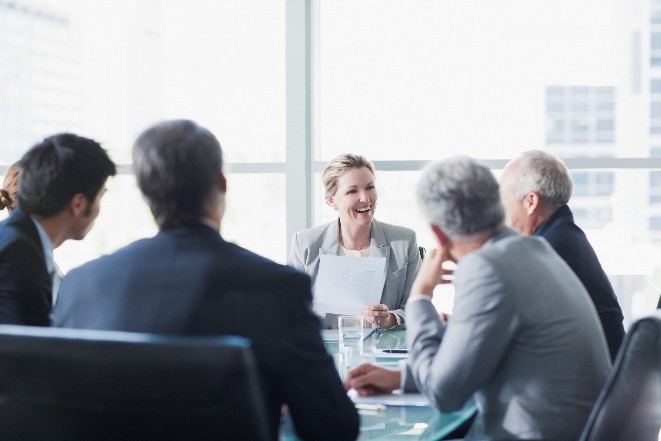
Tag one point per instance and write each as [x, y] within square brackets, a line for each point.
[402, 82]
[287, 85]
[107, 70]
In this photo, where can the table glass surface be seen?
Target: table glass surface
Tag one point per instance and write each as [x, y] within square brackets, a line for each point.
[390, 422]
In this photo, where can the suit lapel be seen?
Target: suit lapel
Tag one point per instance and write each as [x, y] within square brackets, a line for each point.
[331, 242]
[379, 246]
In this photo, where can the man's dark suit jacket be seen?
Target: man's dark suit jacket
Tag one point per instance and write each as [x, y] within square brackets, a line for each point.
[25, 286]
[189, 281]
[570, 242]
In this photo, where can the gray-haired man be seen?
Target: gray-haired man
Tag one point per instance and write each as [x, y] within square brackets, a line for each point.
[536, 188]
[512, 341]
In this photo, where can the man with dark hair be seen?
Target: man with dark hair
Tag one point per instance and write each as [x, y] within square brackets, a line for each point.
[62, 180]
[187, 280]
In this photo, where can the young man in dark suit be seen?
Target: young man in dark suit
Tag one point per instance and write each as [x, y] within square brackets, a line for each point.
[187, 280]
[62, 180]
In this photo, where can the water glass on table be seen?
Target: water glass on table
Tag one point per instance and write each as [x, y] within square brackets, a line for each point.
[351, 331]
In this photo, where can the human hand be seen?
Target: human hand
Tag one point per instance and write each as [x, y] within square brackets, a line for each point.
[368, 379]
[379, 315]
[432, 273]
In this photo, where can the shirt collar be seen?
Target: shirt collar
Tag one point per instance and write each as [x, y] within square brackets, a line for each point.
[46, 245]
[558, 214]
[209, 223]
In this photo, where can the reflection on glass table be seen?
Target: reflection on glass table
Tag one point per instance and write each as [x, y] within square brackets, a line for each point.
[388, 417]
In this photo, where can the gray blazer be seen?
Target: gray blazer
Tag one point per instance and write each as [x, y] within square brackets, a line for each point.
[524, 340]
[397, 244]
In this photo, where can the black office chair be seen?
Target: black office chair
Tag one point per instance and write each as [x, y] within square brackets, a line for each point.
[422, 252]
[629, 405]
[59, 384]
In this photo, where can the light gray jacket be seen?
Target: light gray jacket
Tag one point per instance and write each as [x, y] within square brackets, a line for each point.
[524, 340]
[397, 244]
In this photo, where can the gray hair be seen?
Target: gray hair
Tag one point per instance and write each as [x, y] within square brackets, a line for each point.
[545, 174]
[461, 196]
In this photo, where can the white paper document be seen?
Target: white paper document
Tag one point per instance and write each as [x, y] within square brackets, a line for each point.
[346, 285]
[330, 335]
[394, 399]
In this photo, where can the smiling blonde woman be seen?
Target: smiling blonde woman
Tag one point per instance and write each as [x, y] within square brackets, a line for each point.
[350, 189]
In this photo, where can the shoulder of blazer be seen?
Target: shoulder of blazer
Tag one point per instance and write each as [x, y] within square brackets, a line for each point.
[309, 236]
[20, 224]
[395, 232]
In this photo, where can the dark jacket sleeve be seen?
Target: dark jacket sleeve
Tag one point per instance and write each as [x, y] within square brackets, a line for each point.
[25, 289]
[318, 403]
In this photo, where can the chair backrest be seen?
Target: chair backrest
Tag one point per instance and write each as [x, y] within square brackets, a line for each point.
[629, 405]
[59, 384]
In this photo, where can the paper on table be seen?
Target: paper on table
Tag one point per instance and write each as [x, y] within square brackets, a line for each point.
[394, 399]
[346, 285]
[330, 335]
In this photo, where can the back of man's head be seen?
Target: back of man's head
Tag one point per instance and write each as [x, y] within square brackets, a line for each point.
[460, 195]
[58, 168]
[543, 173]
[178, 165]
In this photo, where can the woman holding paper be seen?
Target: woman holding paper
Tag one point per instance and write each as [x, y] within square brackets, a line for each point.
[350, 190]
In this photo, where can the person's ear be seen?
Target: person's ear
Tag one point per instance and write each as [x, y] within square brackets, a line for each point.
[331, 202]
[78, 204]
[532, 201]
[440, 235]
[222, 183]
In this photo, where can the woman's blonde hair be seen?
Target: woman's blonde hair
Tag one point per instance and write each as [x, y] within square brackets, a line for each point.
[9, 192]
[336, 168]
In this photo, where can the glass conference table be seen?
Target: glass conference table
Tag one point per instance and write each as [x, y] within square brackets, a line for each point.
[404, 417]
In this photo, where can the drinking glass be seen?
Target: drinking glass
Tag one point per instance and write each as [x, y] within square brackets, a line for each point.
[351, 331]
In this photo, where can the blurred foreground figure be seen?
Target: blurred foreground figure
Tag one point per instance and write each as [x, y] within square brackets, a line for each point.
[524, 339]
[62, 180]
[187, 280]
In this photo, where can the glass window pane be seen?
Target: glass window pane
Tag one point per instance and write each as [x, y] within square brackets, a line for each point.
[655, 40]
[655, 109]
[655, 17]
[580, 106]
[555, 91]
[255, 215]
[605, 92]
[581, 91]
[605, 106]
[655, 188]
[655, 86]
[429, 86]
[555, 106]
[221, 63]
[655, 223]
